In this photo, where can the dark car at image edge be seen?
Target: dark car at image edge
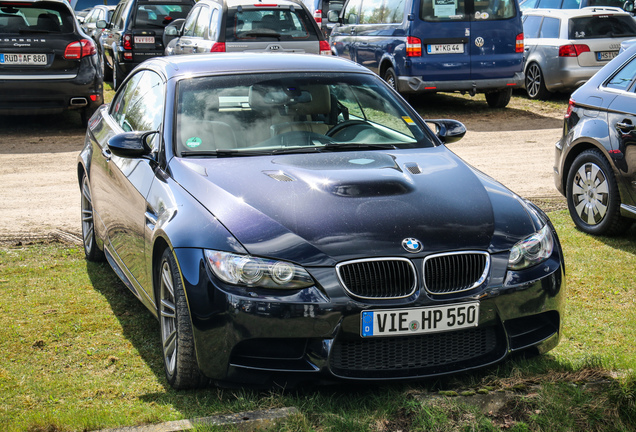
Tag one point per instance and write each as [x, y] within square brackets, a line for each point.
[47, 63]
[595, 160]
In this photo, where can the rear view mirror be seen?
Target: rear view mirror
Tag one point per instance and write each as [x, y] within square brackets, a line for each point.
[448, 131]
[131, 144]
[101, 24]
[332, 16]
[172, 31]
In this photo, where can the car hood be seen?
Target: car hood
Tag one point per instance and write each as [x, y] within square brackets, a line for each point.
[324, 208]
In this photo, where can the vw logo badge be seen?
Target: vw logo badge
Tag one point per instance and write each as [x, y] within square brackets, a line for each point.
[411, 245]
[479, 42]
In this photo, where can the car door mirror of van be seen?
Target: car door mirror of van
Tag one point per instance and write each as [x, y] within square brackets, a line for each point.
[131, 144]
[101, 24]
[173, 31]
[353, 19]
[629, 6]
[332, 16]
[448, 131]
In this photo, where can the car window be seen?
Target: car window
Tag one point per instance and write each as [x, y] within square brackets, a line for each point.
[277, 24]
[139, 105]
[203, 22]
[382, 11]
[159, 15]
[214, 25]
[550, 28]
[549, 4]
[188, 26]
[24, 17]
[277, 112]
[457, 10]
[624, 77]
[601, 26]
[528, 4]
[352, 12]
[531, 26]
[571, 4]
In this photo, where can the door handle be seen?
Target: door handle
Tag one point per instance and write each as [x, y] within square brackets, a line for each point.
[625, 126]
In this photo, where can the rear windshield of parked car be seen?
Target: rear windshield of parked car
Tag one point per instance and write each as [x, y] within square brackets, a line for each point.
[159, 14]
[601, 26]
[25, 18]
[277, 24]
[460, 10]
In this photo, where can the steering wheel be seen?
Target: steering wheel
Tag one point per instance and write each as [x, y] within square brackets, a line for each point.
[344, 125]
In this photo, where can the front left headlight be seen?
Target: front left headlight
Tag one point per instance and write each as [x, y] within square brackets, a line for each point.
[246, 270]
[532, 250]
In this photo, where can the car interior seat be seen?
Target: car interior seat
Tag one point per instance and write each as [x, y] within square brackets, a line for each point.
[49, 22]
[311, 116]
[202, 132]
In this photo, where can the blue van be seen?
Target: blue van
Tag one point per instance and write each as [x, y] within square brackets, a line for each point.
[419, 46]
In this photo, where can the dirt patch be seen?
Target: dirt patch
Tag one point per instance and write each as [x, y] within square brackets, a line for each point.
[40, 197]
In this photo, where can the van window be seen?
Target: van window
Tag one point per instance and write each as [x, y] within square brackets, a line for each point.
[458, 10]
[352, 12]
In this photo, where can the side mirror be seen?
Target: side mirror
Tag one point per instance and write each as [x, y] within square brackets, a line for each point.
[332, 16]
[448, 131]
[101, 24]
[131, 144]
[172, 31]
[629, 6]
[353, 19]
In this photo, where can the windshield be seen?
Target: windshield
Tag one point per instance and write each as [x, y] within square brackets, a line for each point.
[290, 113]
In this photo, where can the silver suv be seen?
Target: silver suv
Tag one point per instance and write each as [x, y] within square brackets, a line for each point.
[239, 25]
[565, 47]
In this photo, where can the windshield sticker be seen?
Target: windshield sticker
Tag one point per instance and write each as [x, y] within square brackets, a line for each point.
[408, 120]
[193, 142]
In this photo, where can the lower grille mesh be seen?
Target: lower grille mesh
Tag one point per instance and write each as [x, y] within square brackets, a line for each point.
[361, 358]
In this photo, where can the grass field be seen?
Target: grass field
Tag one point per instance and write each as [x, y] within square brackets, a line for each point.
[79, 352]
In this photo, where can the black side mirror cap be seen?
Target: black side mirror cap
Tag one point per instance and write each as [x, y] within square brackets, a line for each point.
[131, 144]
[448, 131]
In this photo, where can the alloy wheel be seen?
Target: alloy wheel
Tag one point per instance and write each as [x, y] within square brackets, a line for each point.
[88, 224]
[168, 317]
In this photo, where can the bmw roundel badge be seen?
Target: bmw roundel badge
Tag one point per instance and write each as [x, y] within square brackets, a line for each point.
[411, 245]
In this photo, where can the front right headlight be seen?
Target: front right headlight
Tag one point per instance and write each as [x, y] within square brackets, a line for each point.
[532, 250]
[246, 270]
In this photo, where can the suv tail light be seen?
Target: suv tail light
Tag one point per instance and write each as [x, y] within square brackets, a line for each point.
[573, 50]
[78, 49]
[218, 47]
[318, 16]
[325, 49]
[519, 43]
[128, 42]
[413, 47]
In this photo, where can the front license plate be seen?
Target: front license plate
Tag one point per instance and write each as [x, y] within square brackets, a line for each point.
[445, 49]
[606, 55]
[396, 322]
[24, 59]
[144, 39]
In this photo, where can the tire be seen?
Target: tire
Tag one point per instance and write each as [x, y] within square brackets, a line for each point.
[535, 84]
[92, 252]
[593, 197]
[390, 77]
[177, 340]
[118, 76]
[499, 98]
[85, 115]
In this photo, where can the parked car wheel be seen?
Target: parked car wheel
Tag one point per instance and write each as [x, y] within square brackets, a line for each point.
[593, 197]
[118, 76]
[106, 69]
[390, 78]
[499, 98]
[182, 370]
[535, 84]
[92, 252]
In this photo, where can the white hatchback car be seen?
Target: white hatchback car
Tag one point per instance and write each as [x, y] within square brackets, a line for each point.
[566, 47]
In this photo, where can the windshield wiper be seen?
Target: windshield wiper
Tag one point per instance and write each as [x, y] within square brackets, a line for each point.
[357, 146]
[222, 153]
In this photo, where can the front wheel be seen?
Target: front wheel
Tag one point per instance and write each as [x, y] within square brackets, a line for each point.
[91, 250]
[593, 197]
[177, 340]
[499, 98]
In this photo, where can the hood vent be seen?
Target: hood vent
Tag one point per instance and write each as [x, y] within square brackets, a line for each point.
[279, 176]
[413, 168]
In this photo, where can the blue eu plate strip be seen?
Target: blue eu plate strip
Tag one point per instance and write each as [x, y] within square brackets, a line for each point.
[367, 323]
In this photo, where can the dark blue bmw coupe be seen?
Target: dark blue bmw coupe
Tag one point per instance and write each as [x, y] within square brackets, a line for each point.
[306, 224]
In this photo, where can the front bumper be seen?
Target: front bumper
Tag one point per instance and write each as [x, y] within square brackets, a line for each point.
[315, 334]
[414, 84]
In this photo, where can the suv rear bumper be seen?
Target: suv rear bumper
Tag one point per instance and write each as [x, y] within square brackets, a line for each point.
[412, 84]
[50, 94]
